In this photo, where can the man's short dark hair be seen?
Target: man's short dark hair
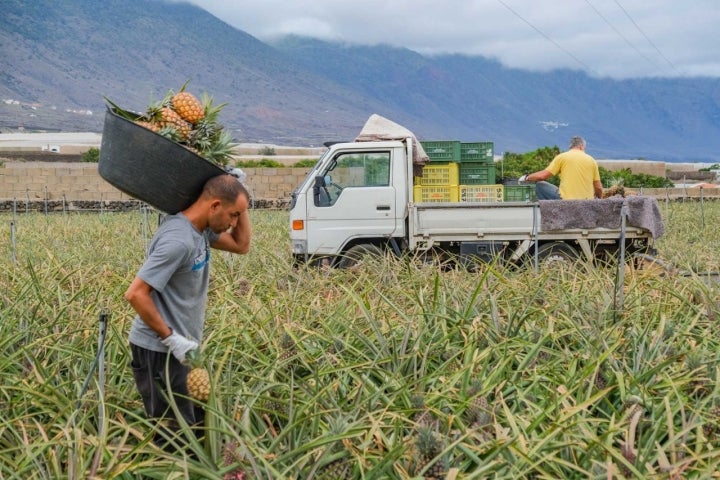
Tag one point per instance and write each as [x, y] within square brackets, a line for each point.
[225, 187]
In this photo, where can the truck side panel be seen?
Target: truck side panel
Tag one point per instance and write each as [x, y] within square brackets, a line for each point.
[433, 224]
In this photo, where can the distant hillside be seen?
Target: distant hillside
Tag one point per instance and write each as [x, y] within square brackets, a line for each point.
[69, 54]
[61, 58]
[476, 98]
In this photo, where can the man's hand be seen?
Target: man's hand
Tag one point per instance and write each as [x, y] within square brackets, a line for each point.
[179, 345]
[523, 179]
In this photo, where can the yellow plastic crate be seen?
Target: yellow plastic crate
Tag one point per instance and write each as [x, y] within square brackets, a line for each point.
[435, 193]
[448, 174]
[481, 193]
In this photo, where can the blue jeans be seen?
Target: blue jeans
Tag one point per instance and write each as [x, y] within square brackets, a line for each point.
[547, 191]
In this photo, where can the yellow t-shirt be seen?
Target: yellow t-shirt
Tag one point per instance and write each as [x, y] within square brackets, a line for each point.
[577, 171]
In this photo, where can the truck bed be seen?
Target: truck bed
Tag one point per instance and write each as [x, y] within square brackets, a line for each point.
[553, 219]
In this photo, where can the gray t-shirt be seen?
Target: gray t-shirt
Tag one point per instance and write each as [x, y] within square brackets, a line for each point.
[177, 267]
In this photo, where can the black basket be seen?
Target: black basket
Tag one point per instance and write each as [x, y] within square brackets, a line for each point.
[150, 167]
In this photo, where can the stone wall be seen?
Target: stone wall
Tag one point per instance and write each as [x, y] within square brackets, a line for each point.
[647, 167]
[40, 181]
[53, 186]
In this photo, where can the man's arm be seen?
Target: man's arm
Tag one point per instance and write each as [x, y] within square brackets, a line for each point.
[138, 295]
[539, 176]
[597, 186]
[237, 240]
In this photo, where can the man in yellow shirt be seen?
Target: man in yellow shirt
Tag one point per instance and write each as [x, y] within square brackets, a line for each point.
[579, 175]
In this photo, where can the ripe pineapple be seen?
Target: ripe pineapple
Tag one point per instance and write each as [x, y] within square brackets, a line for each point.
[616, 188]
[149, 125]
[198, 380]
[166, 117]
[427, 447]
[187, 105]
[208, 137]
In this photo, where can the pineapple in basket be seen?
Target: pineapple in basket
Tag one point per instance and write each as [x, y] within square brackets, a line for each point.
[198, 380]
[187, 105]
[190, 122]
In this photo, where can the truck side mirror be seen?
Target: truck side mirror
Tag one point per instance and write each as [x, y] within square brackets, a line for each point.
[320, 194]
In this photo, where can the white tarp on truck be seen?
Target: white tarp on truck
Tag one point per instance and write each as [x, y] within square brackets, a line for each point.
[378, 128]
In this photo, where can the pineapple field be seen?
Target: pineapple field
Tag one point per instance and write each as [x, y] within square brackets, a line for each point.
[394, 369]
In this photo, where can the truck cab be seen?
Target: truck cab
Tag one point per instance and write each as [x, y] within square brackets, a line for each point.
[356, 194]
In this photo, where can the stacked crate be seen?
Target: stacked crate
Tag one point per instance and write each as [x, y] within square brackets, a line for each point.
[519, 193]
[438, 183]
[473, 162]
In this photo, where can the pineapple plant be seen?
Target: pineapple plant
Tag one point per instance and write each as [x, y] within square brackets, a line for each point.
[287, 348]
[710, 427]
[478, 412]
[198, 379]
[422, 415]
[428, 446]
[339, 467]
[699, 385]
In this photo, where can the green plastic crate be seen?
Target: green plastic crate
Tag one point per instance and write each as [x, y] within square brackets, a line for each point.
[442, 151]
[477, 152]
[520, 193]
[477, 173]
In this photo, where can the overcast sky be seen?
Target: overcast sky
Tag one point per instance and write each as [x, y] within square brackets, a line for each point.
[615, 38]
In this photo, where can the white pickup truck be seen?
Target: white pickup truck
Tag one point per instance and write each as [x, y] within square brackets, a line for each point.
[358, 199]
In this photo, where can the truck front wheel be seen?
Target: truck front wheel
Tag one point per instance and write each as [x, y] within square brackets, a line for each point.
[356, 254]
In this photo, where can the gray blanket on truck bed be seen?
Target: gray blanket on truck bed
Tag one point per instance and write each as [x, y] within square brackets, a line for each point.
[643, 212]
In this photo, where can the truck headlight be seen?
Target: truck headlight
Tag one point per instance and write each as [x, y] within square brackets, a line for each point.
[299, 246]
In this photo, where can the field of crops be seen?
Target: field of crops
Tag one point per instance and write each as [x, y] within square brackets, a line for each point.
[394, 369]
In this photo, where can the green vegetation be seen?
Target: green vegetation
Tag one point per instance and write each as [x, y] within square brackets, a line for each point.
[92, 155]
[307, 163]
[516, 164]
[270, 163]
[269, 151]
[393, 370]
[262, 163]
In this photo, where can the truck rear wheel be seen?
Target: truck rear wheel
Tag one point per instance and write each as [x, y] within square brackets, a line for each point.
[356, 254]
[556, 252]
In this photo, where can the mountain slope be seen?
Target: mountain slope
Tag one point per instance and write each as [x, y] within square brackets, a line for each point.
[72, 53]
[475, 98]
[61, 58]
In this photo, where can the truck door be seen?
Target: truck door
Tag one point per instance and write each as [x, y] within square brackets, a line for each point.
[354, 197]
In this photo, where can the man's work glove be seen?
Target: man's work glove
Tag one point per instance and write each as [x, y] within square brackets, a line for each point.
[179, 345]
[523, 179]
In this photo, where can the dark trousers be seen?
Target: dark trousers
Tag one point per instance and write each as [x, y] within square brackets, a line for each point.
[157, 375]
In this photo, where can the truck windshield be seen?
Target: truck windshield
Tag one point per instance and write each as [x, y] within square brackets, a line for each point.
[355, 169]
[366, 169]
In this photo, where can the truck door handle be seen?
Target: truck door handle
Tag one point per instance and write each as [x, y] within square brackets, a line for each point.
[383, 207]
